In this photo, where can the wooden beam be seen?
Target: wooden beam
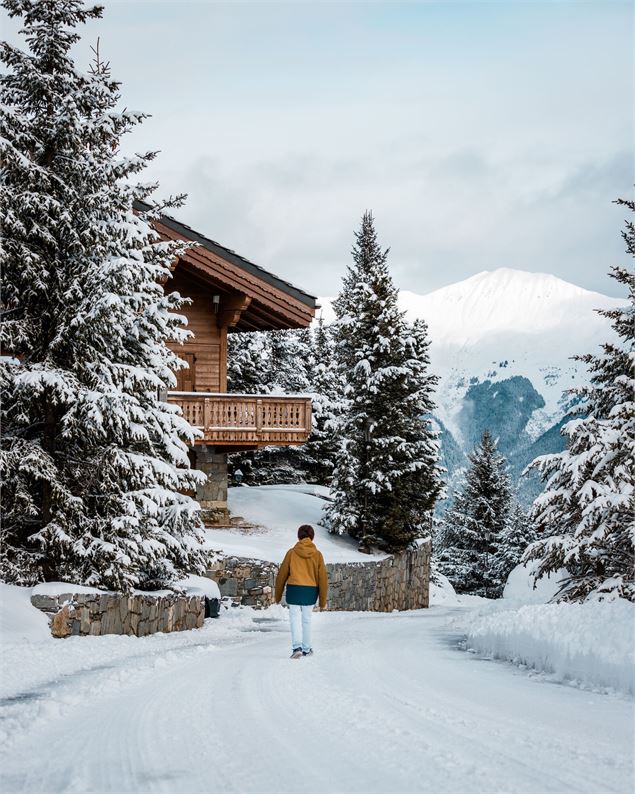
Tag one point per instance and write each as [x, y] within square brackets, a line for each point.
[223, 359]
[247, 324]
[231, 308]
[262, 319]
[200, 279]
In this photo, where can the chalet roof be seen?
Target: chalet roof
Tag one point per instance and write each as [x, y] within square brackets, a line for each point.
[231, 256]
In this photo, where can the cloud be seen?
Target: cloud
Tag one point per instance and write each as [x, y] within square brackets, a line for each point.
[481, 134]
[443, 218]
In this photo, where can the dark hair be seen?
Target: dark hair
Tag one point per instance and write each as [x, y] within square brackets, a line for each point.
[306, 531]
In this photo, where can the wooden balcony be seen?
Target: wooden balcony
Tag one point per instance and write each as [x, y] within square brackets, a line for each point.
[246, 420]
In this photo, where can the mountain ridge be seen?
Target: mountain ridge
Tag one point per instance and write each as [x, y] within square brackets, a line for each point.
[503, 344]
[502, 323]
[488, 286]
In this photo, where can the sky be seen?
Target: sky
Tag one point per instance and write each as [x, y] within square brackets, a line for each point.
[480, 134]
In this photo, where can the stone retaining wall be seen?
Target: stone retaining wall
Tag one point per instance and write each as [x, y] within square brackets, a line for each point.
[401, 581]
[97, 613]
[245, 581]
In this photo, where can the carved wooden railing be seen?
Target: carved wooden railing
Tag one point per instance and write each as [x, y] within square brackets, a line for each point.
[246, 419]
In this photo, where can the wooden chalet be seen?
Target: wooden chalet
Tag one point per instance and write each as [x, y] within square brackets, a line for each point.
[229, 293]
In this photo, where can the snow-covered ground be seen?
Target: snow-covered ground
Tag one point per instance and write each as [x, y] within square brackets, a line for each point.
[279, 510]
[388, 703]
[591, 645]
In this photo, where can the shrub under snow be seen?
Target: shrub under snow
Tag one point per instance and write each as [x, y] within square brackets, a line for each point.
[590, 644]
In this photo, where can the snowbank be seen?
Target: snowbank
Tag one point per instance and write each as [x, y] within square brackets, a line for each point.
[589, 644]
[278, 511]
[441, 592]
[520, 585]
[193, 585]
[20, 621]
[199, 586]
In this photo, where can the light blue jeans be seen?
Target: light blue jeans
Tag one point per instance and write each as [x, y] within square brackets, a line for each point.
[300, 619]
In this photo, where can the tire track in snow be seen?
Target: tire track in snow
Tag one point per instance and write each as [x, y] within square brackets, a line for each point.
[384, 705]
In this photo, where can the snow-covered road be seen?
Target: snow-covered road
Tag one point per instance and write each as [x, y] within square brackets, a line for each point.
[387, 704]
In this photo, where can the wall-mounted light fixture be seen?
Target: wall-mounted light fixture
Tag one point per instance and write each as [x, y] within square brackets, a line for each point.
[216, 303]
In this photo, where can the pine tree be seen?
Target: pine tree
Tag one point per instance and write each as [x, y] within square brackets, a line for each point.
[94, 466]
[588, 504]
[270, 362]
[289, 361]
[517, 534]
[289, 374]
[386, 479]
[248, 367]
[473, 526]
[326, 386]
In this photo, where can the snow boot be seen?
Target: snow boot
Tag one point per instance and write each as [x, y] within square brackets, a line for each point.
[297, 653]
[308, 653]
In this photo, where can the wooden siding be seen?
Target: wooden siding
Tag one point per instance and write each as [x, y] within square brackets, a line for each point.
[186, 378]
[226, 296]
[207, 349]
[239, 421]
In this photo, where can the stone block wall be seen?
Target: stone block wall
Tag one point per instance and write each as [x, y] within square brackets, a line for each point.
[401, 581]
[212, 495]
[245, 581]
[73, 614]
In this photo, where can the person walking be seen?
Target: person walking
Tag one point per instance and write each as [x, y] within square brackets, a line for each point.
[304, 573]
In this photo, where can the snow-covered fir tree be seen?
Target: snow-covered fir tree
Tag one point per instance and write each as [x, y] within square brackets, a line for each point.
[270, 362]
[588, 504]
[94, 467]
[472, 528]
[289, 354]
[248, 367]
[517, 534]
[290, 374]
[265, 362]
[248, 372]
[386, 479]
[290, 362]
[326, 386]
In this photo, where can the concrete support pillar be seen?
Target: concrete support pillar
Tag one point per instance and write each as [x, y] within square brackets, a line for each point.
[212, 495]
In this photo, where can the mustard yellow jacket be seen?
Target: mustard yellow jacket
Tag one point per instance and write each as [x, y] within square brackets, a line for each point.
[303, 567]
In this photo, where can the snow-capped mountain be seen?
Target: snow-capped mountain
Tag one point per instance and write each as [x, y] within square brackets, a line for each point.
[505, 323]
[502, 343]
